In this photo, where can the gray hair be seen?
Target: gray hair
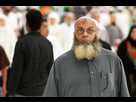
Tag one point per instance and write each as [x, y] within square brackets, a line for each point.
[94, 10]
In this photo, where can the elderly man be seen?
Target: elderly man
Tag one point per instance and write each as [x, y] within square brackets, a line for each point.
[87, 70]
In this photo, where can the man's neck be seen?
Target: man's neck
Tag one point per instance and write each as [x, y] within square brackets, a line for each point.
[33, 31]
[29, 30]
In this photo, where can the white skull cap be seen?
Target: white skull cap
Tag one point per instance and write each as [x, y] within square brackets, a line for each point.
[86, 17]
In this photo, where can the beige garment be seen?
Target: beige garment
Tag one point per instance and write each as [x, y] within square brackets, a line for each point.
[58, 33]
[56, 30]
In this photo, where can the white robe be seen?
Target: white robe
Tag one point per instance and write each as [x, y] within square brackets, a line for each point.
[56, 30]
[12, 20]
[68, 35]
[57, 49]
[8, 40]
[103, 34]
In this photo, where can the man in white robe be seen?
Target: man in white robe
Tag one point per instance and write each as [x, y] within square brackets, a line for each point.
[68, 28]
[55, 28]
[7, 37]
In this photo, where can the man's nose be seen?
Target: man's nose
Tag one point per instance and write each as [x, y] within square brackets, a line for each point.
[85, 34]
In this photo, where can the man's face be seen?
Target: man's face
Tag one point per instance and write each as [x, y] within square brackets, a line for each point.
[53, 21]
[7, 8]
[113, 18]
[133, 34]
[86, 44]
[85, 25]
[69, 19]
[44, 29]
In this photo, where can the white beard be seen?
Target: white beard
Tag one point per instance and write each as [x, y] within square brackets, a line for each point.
[87, 51]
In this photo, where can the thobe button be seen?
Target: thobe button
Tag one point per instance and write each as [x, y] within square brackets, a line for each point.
[92, 72]
[93, 83]
[93, 95]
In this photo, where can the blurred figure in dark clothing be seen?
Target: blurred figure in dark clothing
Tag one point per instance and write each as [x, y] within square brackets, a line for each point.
[127, 52]
[32, 60]
[4, 62]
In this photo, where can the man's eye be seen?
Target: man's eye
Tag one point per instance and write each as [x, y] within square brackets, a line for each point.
[80, 31]
[89, 31]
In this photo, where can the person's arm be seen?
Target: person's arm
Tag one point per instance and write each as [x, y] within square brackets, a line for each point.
[4, 81]
[122, 83]
[51, 60]
[16, 69]
[51, 89]
[4, 62]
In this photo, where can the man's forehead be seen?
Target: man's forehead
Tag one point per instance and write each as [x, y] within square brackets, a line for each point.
[85, 22]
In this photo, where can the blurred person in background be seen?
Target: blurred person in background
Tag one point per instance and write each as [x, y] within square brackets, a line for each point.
[114, 32]
[104, 17]
[68, 28]
[19, 18]
[22, 19]
[133, 19]
[54, 27]
[4, 63]
[127, 53]
[103, 34]
[123, 20]
[32, 60]
[1, 10]
[103, 43]
[8, 40]
[12, 20]
[78, 11]
[57, 48]
[7, 37]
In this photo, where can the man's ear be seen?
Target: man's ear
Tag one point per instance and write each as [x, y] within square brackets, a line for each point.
[27, 27]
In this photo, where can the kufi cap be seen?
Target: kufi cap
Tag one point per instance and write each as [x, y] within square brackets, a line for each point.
[86, 17]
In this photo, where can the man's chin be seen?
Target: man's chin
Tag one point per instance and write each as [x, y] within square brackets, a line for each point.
[85, 43]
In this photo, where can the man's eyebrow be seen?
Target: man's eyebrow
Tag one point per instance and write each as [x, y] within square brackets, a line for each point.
[79, 27]
[88, 27]
[91, 27]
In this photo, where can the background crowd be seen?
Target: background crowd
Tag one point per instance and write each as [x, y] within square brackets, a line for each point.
[116, 24]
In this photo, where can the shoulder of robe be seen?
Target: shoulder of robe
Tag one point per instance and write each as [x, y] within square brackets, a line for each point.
[109, 54]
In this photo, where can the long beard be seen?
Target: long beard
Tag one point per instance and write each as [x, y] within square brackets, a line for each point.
[86, 51]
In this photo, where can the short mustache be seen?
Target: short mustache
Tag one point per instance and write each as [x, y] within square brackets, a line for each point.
[86, 39]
